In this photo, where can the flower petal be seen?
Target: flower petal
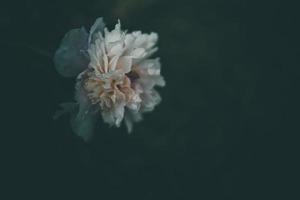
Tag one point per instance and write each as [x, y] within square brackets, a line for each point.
[116, 50]
[115, 35]
[124, 64]
[138, 53]
[150, 74]
[150, 100]
[131, 117]
[83, 127]
[82, 121]
[97, 28]
[115, 115]
[69, 58]
[82, 99]
[113, 63]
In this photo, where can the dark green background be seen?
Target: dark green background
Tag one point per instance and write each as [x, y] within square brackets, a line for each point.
[224, 129]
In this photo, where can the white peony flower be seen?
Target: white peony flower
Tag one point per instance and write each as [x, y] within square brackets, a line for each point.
[115, 75]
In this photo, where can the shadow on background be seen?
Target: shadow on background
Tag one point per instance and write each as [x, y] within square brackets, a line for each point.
[221, 131]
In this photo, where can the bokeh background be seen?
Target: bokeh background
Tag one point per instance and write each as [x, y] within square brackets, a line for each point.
[222, 131]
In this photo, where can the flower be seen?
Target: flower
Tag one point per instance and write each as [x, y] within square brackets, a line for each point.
[115, 75]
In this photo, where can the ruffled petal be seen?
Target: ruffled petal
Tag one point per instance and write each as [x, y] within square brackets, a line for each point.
[150, 100]
[130, 118]
[115, 115]
[150, 74]
[115, 35]
[138, 53]
[124, 64]
[116, 50]
[96, 29]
